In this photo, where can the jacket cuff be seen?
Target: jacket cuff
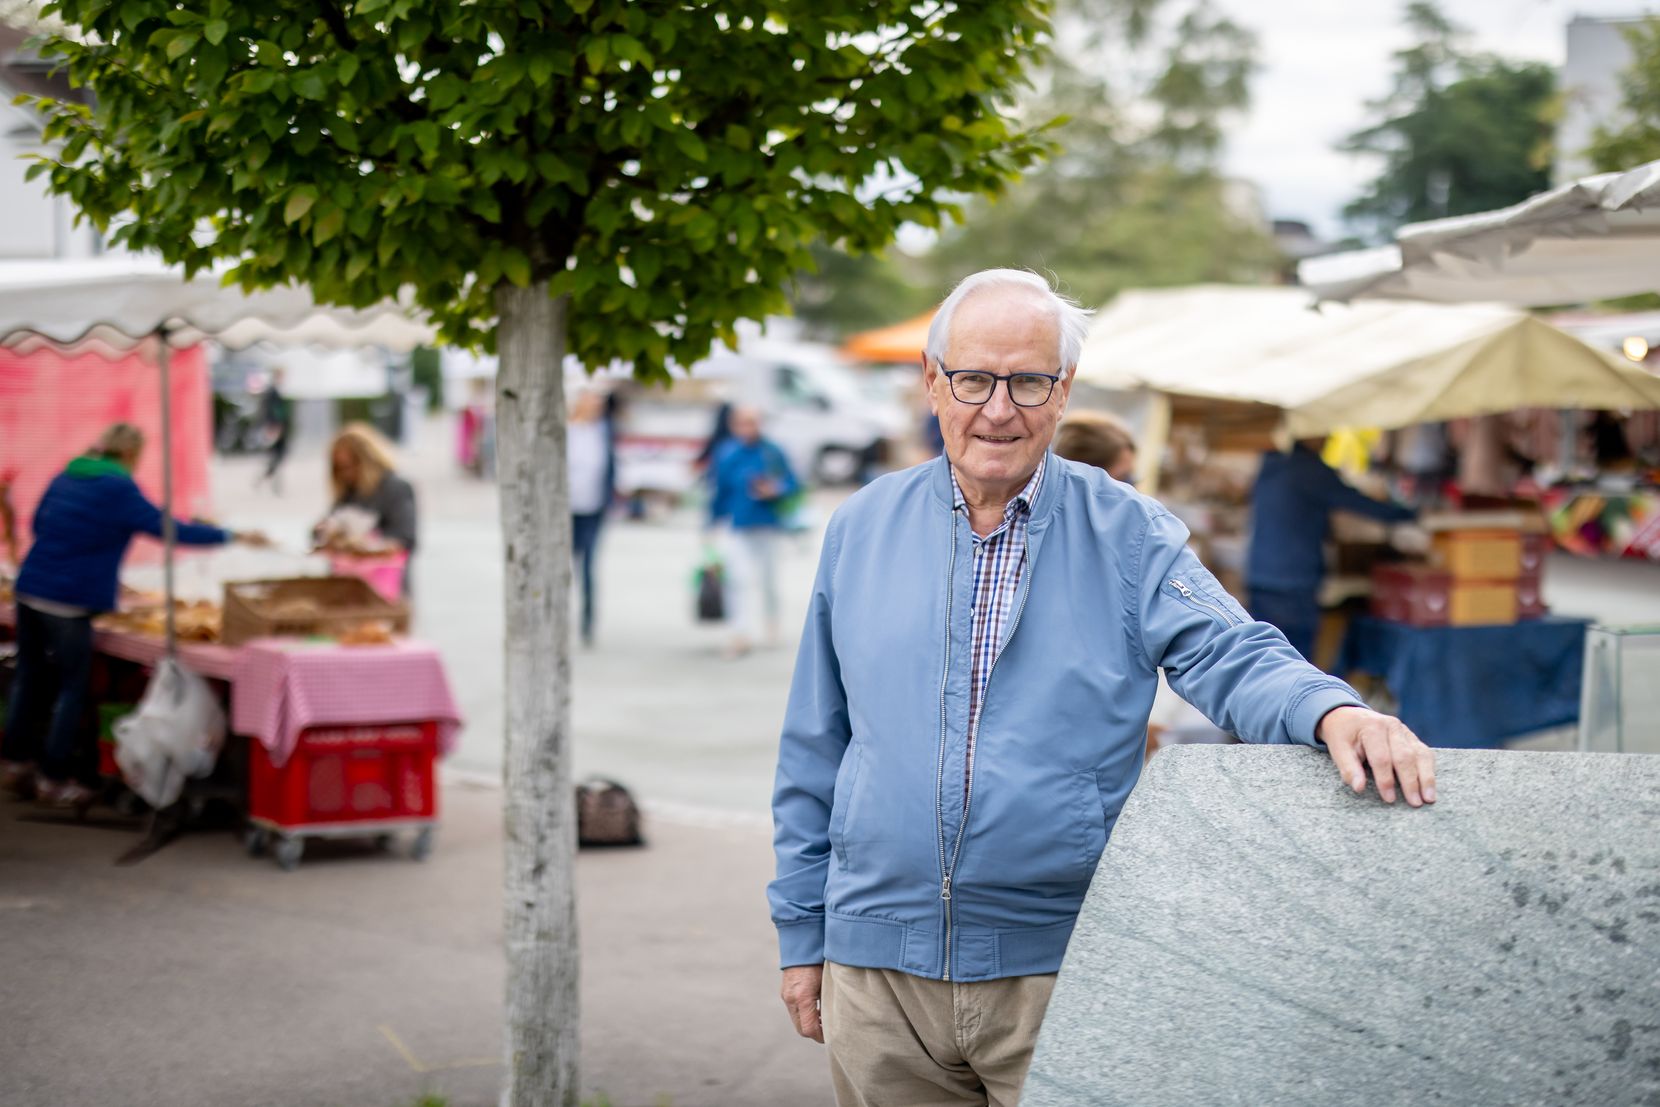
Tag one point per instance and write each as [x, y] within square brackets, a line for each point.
[1307, 711]
[801, 942]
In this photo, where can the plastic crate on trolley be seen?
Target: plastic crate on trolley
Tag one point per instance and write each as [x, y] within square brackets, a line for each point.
[345, 781]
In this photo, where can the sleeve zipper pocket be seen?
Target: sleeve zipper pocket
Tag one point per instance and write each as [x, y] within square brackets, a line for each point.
[1197, 599]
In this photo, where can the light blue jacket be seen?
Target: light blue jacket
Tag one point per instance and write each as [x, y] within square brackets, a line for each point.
[883, 862]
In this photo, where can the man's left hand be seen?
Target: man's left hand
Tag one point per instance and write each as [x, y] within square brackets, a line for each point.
[1355, 735]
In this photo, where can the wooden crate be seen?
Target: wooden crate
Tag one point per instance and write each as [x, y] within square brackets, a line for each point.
[305, 607]
[1480, 555]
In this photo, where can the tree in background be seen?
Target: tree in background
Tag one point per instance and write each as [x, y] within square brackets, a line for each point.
[1135, 197]
[1637, 137]
[1459, 132]
[1132, 197]
[621, 179]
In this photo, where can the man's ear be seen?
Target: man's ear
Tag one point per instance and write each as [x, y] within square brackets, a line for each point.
[930, 374]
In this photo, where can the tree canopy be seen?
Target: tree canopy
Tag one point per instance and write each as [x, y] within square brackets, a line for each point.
[1133, 195]
[1458, 132]
[665, 166]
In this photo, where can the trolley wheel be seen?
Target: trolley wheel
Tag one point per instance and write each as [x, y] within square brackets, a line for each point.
[256, 839]
[421, 848]
[288, 852]
[383, 842]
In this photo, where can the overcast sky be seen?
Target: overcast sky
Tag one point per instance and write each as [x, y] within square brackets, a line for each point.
[1322, 60]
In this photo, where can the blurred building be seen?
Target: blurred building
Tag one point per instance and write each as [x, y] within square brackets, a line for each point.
[1590, 83]
[33, 223]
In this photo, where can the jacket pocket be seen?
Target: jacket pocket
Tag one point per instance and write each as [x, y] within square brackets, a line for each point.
[841, 804]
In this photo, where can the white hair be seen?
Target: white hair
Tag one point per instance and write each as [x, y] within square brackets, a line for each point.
[1071, 318]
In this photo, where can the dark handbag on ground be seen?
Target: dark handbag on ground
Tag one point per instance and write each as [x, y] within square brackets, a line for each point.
[711, 594]
[606, 815]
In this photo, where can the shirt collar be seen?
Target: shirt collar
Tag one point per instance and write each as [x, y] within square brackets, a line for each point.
[1022, 502]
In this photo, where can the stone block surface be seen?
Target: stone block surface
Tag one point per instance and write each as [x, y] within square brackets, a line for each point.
[1257, 934]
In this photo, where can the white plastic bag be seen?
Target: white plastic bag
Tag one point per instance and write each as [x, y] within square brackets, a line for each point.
[175, 733]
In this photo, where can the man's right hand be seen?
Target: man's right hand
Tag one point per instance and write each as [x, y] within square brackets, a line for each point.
[802, 985]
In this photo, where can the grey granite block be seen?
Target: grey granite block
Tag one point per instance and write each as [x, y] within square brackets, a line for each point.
[1258, 934]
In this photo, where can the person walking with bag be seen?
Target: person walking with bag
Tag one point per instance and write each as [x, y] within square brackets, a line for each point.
[751, 478]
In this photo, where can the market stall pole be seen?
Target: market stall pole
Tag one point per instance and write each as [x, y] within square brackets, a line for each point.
[169, 526]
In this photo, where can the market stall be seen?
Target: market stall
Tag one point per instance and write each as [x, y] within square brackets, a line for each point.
[1244, 369]
[328, 756]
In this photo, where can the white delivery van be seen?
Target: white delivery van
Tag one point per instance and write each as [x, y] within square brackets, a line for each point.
[812, 405]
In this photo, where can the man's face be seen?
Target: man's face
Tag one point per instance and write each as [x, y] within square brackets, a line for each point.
[746, 424]
[1000, 331]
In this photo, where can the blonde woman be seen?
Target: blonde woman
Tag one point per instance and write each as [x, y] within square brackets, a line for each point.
[362, 471]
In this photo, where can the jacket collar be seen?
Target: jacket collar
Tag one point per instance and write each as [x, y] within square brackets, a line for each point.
[944, 486]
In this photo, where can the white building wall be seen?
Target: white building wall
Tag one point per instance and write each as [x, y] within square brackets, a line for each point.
[33, 223]
[1590, 83]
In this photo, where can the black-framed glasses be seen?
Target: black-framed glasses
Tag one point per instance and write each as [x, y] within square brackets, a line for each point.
[972, 386]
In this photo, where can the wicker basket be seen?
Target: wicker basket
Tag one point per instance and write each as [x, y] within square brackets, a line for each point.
[305, 607]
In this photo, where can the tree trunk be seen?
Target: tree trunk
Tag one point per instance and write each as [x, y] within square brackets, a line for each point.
[540, 917]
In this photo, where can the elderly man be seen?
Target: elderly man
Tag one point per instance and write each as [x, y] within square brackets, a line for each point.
[968, 712]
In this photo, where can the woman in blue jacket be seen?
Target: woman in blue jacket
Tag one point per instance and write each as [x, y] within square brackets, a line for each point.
[82, 528]
[751, 479]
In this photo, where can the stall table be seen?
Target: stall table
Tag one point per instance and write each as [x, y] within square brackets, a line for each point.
[345, 739]
[1469, 687]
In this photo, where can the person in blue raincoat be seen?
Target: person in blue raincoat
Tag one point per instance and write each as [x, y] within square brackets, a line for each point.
[752, 479]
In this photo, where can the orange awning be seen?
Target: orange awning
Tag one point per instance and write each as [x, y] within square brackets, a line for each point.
[900, 343]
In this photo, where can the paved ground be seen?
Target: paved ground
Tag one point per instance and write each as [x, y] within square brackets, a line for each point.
[201, 977]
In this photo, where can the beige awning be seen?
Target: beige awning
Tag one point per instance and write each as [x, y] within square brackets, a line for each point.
[1374, 363]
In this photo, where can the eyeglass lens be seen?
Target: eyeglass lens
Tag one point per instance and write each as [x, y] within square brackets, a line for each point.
[1025, 389]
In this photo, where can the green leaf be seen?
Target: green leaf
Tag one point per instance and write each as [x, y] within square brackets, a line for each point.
[328, 226]
[515, 267]
[580, 7]
[597, 50]
[215, 31]
[299, 202]
[347, 68]
[691, 145]
[181, 44]
[310, 85]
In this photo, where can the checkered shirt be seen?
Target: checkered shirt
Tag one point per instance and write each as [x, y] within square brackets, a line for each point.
[999, 559]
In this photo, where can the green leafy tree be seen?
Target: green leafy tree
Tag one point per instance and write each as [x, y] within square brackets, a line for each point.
[607, 178]
[1459, 132]
[1134, 197]
[1636, 137]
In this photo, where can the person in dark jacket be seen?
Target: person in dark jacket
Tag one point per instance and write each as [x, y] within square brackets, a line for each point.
[82, 528]
[362, 473]
[1291, 510]
[276, 423]
[751, 479]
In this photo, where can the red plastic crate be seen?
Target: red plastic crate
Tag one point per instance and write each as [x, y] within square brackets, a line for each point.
[343, 775]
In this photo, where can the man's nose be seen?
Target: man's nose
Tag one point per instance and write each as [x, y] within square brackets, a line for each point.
[1000, 407]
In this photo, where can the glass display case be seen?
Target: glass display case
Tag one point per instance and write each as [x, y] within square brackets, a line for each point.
[1619, 708]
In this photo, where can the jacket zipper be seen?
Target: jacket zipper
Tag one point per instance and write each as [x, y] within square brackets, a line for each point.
[939, 782]
[1193, 597]
[974, 738]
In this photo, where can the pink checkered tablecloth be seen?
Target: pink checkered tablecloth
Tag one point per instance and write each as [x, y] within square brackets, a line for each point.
[284, 686]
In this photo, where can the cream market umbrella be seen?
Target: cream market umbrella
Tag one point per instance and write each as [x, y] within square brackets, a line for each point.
[1595, 239]
[124, 300]
[1373, 364]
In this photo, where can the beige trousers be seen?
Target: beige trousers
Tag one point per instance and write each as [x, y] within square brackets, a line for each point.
[897, 1040]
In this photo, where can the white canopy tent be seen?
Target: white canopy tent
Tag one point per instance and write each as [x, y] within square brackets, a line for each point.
[123, 300]
[1374, 364]
[1597, 238]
